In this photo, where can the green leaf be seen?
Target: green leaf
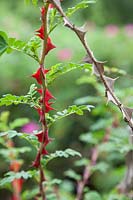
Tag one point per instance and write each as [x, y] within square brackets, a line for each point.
[107, 147]
[29, 99]
[72, 174]
[29, 194]
[81, 162]
[15, 44]
[70, 110]
[10, 134]
[101, 166]
[81, 5]
[29, 48]
[34, 2]
[101, 124]
[4, 116]
[32, 90]
[60, 69]
[18, 123]
[3, 42]
[92, 196]
[10, 99]
[88, 138]
[13, 151]
[59, 154]
[10, 176]
[53, 182]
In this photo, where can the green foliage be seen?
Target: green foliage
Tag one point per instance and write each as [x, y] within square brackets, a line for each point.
[110, 152]
[29, 99]
[100, 166]
[29, 48]
[117, 142]
[117, 197]
[34, 2]
[10, 176]
[60, 69]
[69, 111]
[89, 138]
[72, 174]
[15, 151]
[5, 125]
[81, 5]
[53, 182]
[10, 134]
[92, 196]
[99, 12]
[32, 46]
[82, 162]
[59, 154]
[18, 123]
[29, 194]
[3, 42]
[10, 99]
[12, 44]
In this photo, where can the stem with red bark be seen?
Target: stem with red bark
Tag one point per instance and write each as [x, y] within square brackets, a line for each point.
[43, 120]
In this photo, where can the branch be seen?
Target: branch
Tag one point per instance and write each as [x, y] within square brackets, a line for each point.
[86, 174]
[98, 67]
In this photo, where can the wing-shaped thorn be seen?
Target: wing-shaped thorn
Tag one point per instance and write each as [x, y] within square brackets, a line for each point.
[110, 82]
[110, 98]
[98, 68]
[87, 59]
[127, 113]
[67, 23]
[81, 31]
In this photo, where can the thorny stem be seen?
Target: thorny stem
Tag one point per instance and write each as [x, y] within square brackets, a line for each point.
[44, 23]
[43, 120]
[93, 60]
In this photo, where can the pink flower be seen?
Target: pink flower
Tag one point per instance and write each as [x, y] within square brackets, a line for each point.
[129, 30]
[111, 30]
[64, 54]
[30, 127]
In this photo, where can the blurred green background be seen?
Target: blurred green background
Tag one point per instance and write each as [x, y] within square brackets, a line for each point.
[110, 36]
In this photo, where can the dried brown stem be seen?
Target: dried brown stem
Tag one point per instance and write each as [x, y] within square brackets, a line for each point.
[81, 35]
